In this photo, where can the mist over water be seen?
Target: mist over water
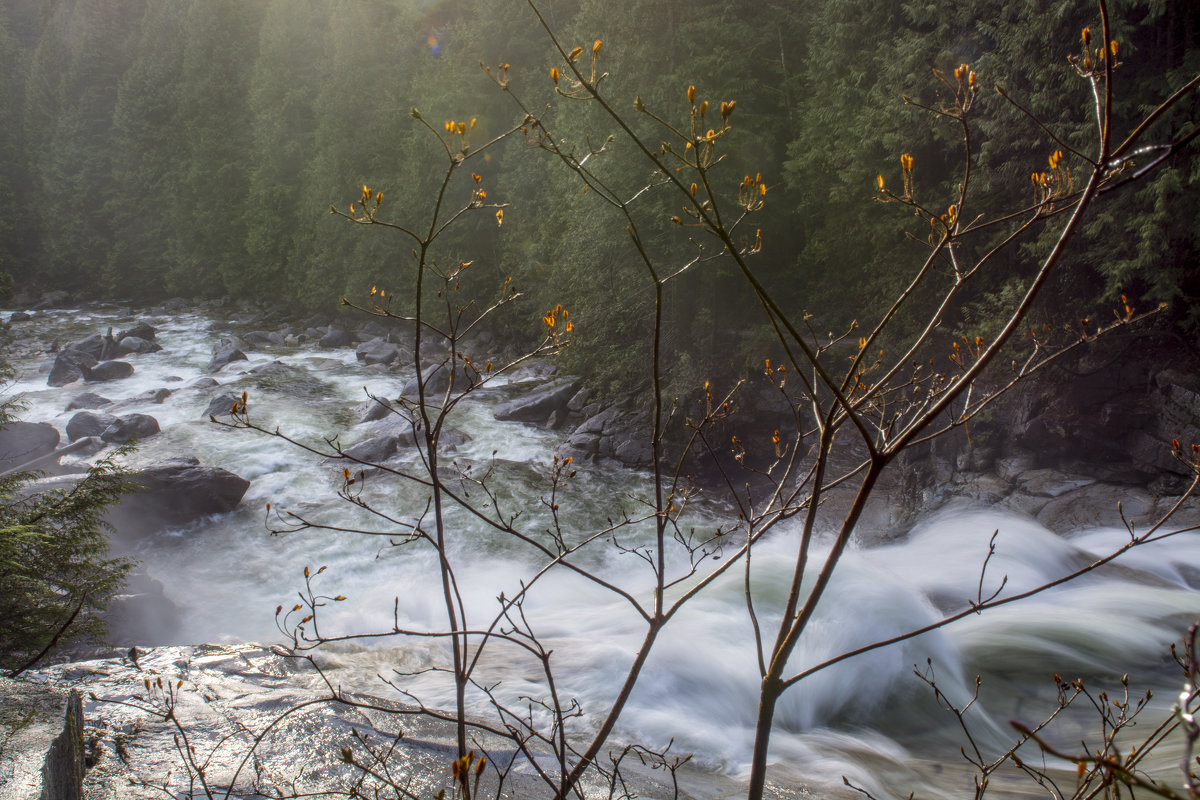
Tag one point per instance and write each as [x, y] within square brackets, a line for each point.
[865, 717]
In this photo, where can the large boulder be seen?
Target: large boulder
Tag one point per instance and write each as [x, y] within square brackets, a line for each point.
[336, 338]
[107, 371]
[22, 442]
[221, 405]
[264, 339]
[68, 367]
[89, 423]
[226, 352]
[539, 405]
[142, 330]
[134, 426]
[136, 344]
[175, 492]
[380, 351]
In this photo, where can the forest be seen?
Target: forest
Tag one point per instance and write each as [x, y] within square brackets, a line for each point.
[194, 148]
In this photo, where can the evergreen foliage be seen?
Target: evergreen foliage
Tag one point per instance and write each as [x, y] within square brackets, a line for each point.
[55, 572]
[191, 147]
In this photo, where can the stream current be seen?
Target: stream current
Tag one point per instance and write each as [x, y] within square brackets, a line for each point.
[868, 718]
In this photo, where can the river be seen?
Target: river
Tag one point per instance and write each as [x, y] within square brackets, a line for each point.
[869, 718]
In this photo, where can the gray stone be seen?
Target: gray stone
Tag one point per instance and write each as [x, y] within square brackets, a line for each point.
[20, 316]
[378, 351]
[538, 405]
[264, 338]
[88, 400]
[373, 410]
[89, 423]
[137, 426]
[225, 352]
[175, 492]
[107, 371]
[68, 367]
[42, 730]
[22, 442]
[136, 344]
[221, 405]
[142, 330]
[336, 338]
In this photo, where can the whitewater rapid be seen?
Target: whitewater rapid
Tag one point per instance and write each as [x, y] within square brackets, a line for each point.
[866, 718]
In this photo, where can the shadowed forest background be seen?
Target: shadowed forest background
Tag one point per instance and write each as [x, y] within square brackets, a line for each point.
[193, 148]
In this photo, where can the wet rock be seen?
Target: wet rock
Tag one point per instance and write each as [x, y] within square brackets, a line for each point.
[540, 404]
[68, 367]
[264, 339]
[375, 450]
[133, 426]
[225, 352]
[89, 423]
[336, 338]
[437, 380]
[107, 371]
[136, 344]
[175, 492]
[20, 316]
[372, 410]
[379, 351]
[298, 382]
[22, 442]
[142, 330]
[88, 400]
[220, 406]
[1095, 506]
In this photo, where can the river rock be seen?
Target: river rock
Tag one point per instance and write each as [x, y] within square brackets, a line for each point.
[225, 352]
[133, 426]
[22, 442]
[107, 371]
[379, 351]
[20, 316]
[221, 405]
[136, 344]
[89, 423]
[88, 400]
[142, 330]
[176, 492]
[336, 338]
[372, 410]
[437, 380]
[264, 339]
[540, 404]
[68, 367]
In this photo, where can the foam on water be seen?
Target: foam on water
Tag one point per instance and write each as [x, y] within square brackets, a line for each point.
[700, 687]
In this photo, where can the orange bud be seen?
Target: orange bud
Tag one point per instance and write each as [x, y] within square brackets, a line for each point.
[554, 75]
[596, 47]
[691, 94]
[576, 53]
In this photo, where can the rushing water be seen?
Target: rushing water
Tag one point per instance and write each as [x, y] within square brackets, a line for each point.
[868, 718]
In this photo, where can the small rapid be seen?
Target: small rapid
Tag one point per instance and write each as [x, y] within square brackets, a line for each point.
[864, 717]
